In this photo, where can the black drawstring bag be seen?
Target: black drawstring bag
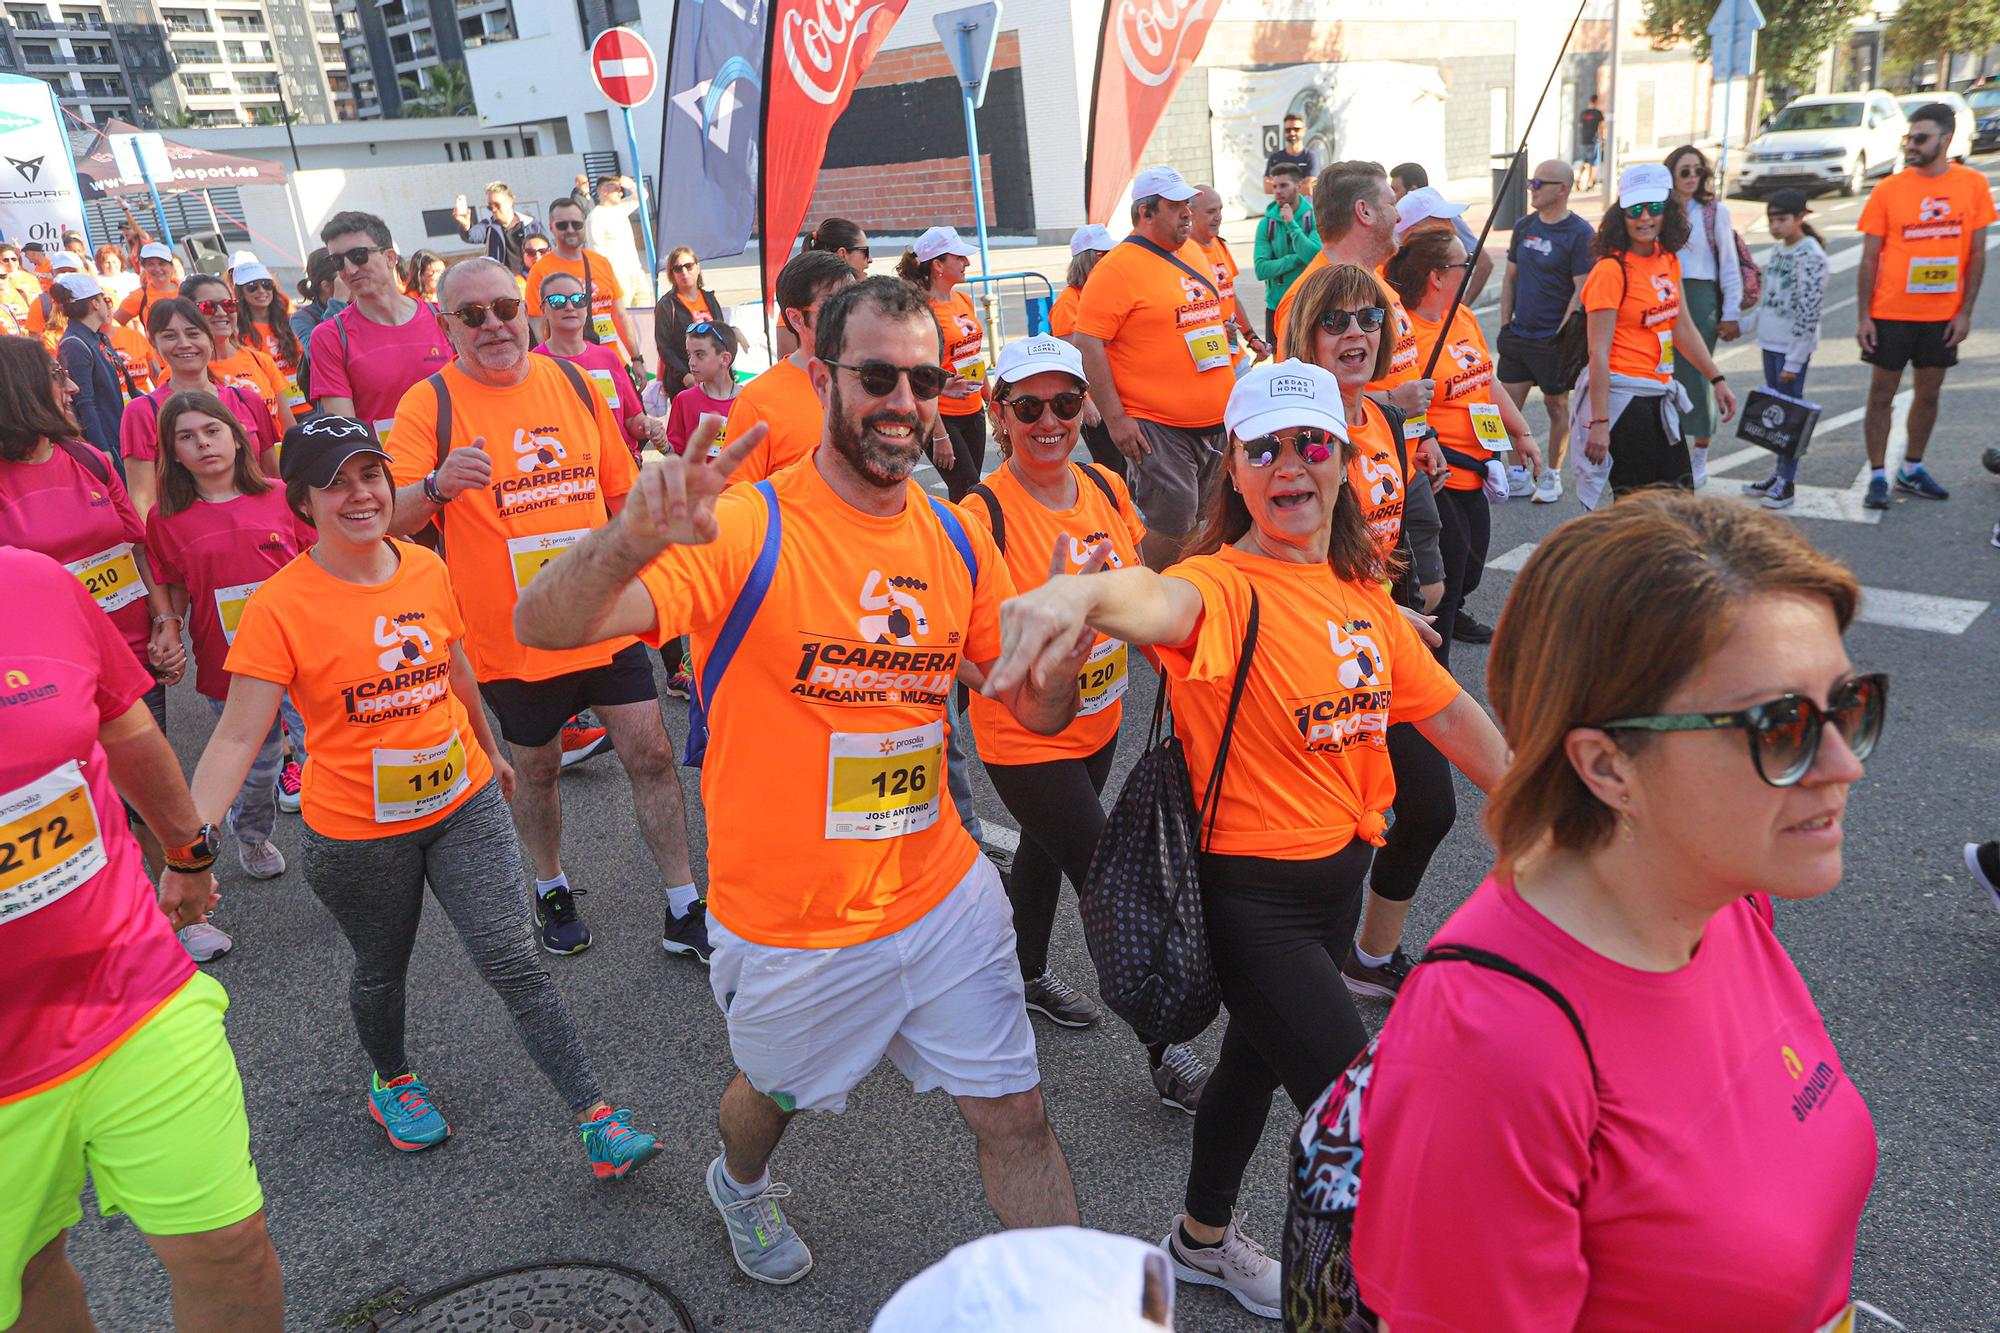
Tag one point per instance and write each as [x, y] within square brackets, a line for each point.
[1141, 903]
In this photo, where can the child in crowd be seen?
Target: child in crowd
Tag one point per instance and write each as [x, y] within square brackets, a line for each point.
[1788, 321]
[711, 353]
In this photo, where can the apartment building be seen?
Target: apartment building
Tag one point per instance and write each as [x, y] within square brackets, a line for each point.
[386, 42]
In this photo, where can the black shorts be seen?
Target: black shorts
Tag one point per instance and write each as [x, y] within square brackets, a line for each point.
[532, 712]
[1911, 342]
[1642, 454]
[1530, 361]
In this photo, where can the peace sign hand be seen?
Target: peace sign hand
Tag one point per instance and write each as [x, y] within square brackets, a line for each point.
[673, 503]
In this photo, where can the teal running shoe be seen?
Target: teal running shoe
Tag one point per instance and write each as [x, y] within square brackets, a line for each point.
[615, 1148]
[403, 1108]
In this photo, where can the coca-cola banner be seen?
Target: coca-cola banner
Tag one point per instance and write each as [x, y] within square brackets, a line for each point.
[1144, 49]
[819, 51]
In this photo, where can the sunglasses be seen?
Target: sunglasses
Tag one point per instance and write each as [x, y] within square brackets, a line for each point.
[684, 268]
[861, 250]
[1657, 207]
[559, 301]
[1785, 734]
[1918, 140]
[1368, 319]
[567, 226]
[358, 257]
[534, 252]
[1467, 266]
[1536, 182]
[1312, 444]
[1027, 408]
[878, 378]
[1692, 173]
[473, 315]
[216, 307]
[257, 285]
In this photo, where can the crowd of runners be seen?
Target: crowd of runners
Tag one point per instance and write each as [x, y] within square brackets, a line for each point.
[418, 534]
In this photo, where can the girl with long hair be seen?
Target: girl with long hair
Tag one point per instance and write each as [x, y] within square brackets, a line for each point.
[1711, 288]
[936, 267]
[237, 362]
[181, 336]
[264, 324]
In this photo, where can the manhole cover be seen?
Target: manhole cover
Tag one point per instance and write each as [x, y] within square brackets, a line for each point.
[547, 1298]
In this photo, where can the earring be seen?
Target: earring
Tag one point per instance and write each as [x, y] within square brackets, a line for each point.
[1625, 820]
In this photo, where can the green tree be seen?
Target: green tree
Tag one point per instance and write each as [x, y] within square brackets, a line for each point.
[1925, 28]
[1796, 32]
[450, 93]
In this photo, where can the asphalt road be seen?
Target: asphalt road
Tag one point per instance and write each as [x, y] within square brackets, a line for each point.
[1904, 959]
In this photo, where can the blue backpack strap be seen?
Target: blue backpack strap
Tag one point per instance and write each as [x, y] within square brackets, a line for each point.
[748, 599]
[948, 519]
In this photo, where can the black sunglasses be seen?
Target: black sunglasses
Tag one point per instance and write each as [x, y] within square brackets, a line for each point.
[1027, 408]
[861, 250]
[473, 315]
[683, 268]
[257, 285]
[567, 226]
[1314, 445]
[878, 378]
[1785, 733]
[1368, 319]
[1657, 207]
[358, 257]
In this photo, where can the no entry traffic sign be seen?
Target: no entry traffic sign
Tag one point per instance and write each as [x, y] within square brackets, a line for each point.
[624, 67]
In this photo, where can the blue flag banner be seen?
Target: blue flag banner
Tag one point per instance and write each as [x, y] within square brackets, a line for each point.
[714, 125]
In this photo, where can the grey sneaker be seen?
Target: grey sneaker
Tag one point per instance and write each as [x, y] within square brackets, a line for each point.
[1782, 495]
[260, 860]
[1056, 1000]
[764, 1243]
[1759, 489]
[1236, 1263]
[205, 943]
[1375, 983]
[1179, 1078]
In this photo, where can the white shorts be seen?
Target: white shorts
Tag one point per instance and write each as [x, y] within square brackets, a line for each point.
[941, 997]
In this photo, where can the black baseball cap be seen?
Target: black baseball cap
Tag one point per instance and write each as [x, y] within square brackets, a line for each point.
[317, 448]
[1788, 201]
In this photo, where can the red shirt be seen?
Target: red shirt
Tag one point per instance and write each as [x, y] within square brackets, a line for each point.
[61, 510]
[606, 373]
[220, 553]
[376, 364]
[690, 406]
[139, 428]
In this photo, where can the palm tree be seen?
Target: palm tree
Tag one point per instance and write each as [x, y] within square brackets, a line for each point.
[449, 94]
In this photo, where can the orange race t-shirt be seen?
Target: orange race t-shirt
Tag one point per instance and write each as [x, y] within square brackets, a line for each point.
[605, 293]
[1403, 362]
[132, 310]
[136, 355]
[1380, 474]
[19, 291]
[1062, 311]
[1928, 225]
[1032, 529]
[1162, 328]
[288, 368]
[1223, 265]
[557, 461]
[369, 669]
[256, 371]
[695, 306]
[1642, 341]
[964, 351]
[829, 822]
[1335, 665]
[1462, 410]
[783, 399]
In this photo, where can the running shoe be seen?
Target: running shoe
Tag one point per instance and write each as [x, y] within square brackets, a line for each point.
[1760, 489]
[1520, 481]
[1918, 481]
[1878, 493]
[1550, 488]
[1991, 460]
[1983, 860]
[765, 1246]
[1467, 630]
[581, 741]
[688, 934]
[403, 1108]
[615, 1148]
[1782, 495]
[1996, 534]
[1698, 465]
[291, 787]
[205, 943]
[1235, 1263]
[1179, 1078]
[556, 917]
[1375, 983]
[1056, 1000]
[261, 860]
[681, 684]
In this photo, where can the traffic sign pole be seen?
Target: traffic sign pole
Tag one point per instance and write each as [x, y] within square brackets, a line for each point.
[645, 209]
[968, 36]
[625, 71]
[979, 206]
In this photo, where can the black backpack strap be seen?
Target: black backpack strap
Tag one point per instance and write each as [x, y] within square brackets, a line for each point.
[1493, 962]
[1146, 244]
[577, 383]
[1096, 475]
[1210, 798]
[994, 518]
[89, 458]
[443, 416]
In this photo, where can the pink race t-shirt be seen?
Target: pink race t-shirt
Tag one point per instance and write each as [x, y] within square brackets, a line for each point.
[608, 376]
[64, 511]
[139, 428]
[220, 553]
[690, 406]
[89, 953]
[1712, 1176]
[378, 363]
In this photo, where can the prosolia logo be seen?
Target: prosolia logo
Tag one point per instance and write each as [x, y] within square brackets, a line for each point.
[826, 41]
[1151, 34]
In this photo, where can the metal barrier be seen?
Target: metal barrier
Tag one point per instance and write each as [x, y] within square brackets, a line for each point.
[1003, 292]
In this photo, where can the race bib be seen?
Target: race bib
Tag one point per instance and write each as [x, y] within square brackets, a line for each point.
[971, 366]
[884, 784]
[49, 843]
[607, 385]
[382, 426]
[1933, 277]
[110, 577]
[528, 555]
[1840, 1323]
[721, 435]
[1209, 346]
[607, 332]
[1486, 424]
[229, 604]
[1103, 679]
[410, 784]
[295, 397]
[1415, 425]
[1666, 366]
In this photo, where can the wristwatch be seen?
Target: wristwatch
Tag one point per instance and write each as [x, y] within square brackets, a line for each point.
[431, 491]
[199, 855]
[1717, 379]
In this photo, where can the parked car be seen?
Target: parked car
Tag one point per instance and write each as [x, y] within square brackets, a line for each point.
[1835, 140]
[1962, 133]
[1985, 103]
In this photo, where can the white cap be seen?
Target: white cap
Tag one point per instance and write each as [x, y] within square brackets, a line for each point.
[941, 241]
[1420, 205]
[154, 250]
[1032, 356]
[64, 261]
[1646, 183]
[242, 257]
[1095, 236]
[249, 271]
[1164, 182]
[1283, 395]
[1045, 1280]
[78, 287]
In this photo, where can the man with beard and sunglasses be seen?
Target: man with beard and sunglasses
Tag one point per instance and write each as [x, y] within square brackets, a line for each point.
[366, 357]
[610, 323]
[833, 606]
[517, 457]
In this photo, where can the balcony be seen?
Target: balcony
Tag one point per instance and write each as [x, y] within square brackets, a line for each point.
[41, 54]
[257, 84]
[94, 53]
[85, 20]
[197, 53]
[243, 23]
[102, 88]
[249, 53]
[180, 23]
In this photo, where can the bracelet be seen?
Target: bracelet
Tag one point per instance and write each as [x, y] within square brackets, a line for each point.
[195, 867]
[161, 620]
[1717, 379]
[431, 491]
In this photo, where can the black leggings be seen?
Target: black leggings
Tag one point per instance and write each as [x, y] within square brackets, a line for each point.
[1426, 807]
[968, 453]
[1057, 804]
[1468, 530]
[1278, 931]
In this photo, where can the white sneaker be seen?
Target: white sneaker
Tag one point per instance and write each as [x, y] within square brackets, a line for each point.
[1550, 488]
[204, 942]
[1699, 457]
[260, 860]
[1237, 1264]
[1520, 481]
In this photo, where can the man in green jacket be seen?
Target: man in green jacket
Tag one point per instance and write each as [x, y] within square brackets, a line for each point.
[1286, 240]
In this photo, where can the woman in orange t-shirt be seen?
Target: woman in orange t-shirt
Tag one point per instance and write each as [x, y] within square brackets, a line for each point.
[1299, 809]
[405, 786]
[936, 266]
[264, 324]
[1086, 247]
[234, 362]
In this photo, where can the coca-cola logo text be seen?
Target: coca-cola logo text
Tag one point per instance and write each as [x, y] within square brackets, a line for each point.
[826, 41]
[1151, 34]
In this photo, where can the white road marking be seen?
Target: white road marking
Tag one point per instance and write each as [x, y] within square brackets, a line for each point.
[999, 835]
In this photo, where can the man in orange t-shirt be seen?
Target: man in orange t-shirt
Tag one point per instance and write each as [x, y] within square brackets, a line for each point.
[1206, 212]
[609, 320]
[783, 399]
[853, 916]
[530, 462]
[1923, 257]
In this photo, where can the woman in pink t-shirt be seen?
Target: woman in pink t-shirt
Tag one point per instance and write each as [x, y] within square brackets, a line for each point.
[180, 335]
[1690, 1152]
[567, 312]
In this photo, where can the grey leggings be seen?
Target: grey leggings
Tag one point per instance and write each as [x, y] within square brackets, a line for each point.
[375, 890]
